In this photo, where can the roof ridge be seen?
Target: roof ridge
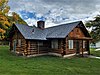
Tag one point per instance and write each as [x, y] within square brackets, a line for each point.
[64, 24]
[59, 31]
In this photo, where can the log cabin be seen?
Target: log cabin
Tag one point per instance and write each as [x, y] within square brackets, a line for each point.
[61, 40]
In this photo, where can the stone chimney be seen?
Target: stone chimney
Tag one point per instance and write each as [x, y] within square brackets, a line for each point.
[41, 24]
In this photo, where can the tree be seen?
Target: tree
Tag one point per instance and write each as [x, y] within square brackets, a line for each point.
[7, 21]
[95, 28]
[4, 8]
[4, 23]
[17, 19]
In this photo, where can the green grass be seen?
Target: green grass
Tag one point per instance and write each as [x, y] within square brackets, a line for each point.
[46, 65]
[95, 53]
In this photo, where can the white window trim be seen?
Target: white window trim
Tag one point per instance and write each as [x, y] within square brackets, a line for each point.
[83, 44]
[70, 44]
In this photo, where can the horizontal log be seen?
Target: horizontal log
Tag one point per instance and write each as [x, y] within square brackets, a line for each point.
[31, 48]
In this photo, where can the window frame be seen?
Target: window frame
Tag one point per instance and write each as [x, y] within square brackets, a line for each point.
[70, 44]
[54, 44]
[84, 44]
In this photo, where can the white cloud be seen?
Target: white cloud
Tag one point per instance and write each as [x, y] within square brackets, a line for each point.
[39, 15]
[31, 21]
[57, 11]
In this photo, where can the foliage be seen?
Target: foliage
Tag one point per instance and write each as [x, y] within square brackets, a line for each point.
[95, 53]
[95, 26]
[7, 21]
[17, 19]
[46, 65]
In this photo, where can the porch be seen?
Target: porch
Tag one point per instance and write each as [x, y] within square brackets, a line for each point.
[78, 45]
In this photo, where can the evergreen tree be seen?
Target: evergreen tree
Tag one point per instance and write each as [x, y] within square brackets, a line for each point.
[95, 26]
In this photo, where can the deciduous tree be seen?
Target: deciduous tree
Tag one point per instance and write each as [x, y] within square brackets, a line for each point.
[7, 21]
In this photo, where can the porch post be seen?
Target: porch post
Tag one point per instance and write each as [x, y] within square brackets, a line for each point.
[63, 46]
[88, 48]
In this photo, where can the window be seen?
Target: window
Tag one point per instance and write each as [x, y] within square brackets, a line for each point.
[19, 42]
[83, 44]
[40, 43]
[70, 44]
[54, 44]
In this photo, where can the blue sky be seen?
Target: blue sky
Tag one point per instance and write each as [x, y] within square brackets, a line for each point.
[55, 12]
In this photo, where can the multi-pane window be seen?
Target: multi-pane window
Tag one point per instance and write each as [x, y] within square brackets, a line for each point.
[70, 44]
[54, 44]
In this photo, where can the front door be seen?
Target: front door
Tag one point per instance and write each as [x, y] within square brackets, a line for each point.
[14, 45]
[77, 47]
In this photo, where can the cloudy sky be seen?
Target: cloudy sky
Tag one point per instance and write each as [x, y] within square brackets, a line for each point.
[55, 11]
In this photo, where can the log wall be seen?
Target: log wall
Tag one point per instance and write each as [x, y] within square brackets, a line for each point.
[61, 47]
[77, 32]
[32, 48]
[35, 48]
[19, 49]
[44, 48]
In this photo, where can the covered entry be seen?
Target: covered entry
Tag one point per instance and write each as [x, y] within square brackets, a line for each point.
[80, 46]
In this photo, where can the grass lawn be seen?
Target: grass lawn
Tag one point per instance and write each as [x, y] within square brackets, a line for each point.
[95, 53]
[46, 65]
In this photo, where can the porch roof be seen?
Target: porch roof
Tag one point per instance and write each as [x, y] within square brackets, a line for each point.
[80, 38]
